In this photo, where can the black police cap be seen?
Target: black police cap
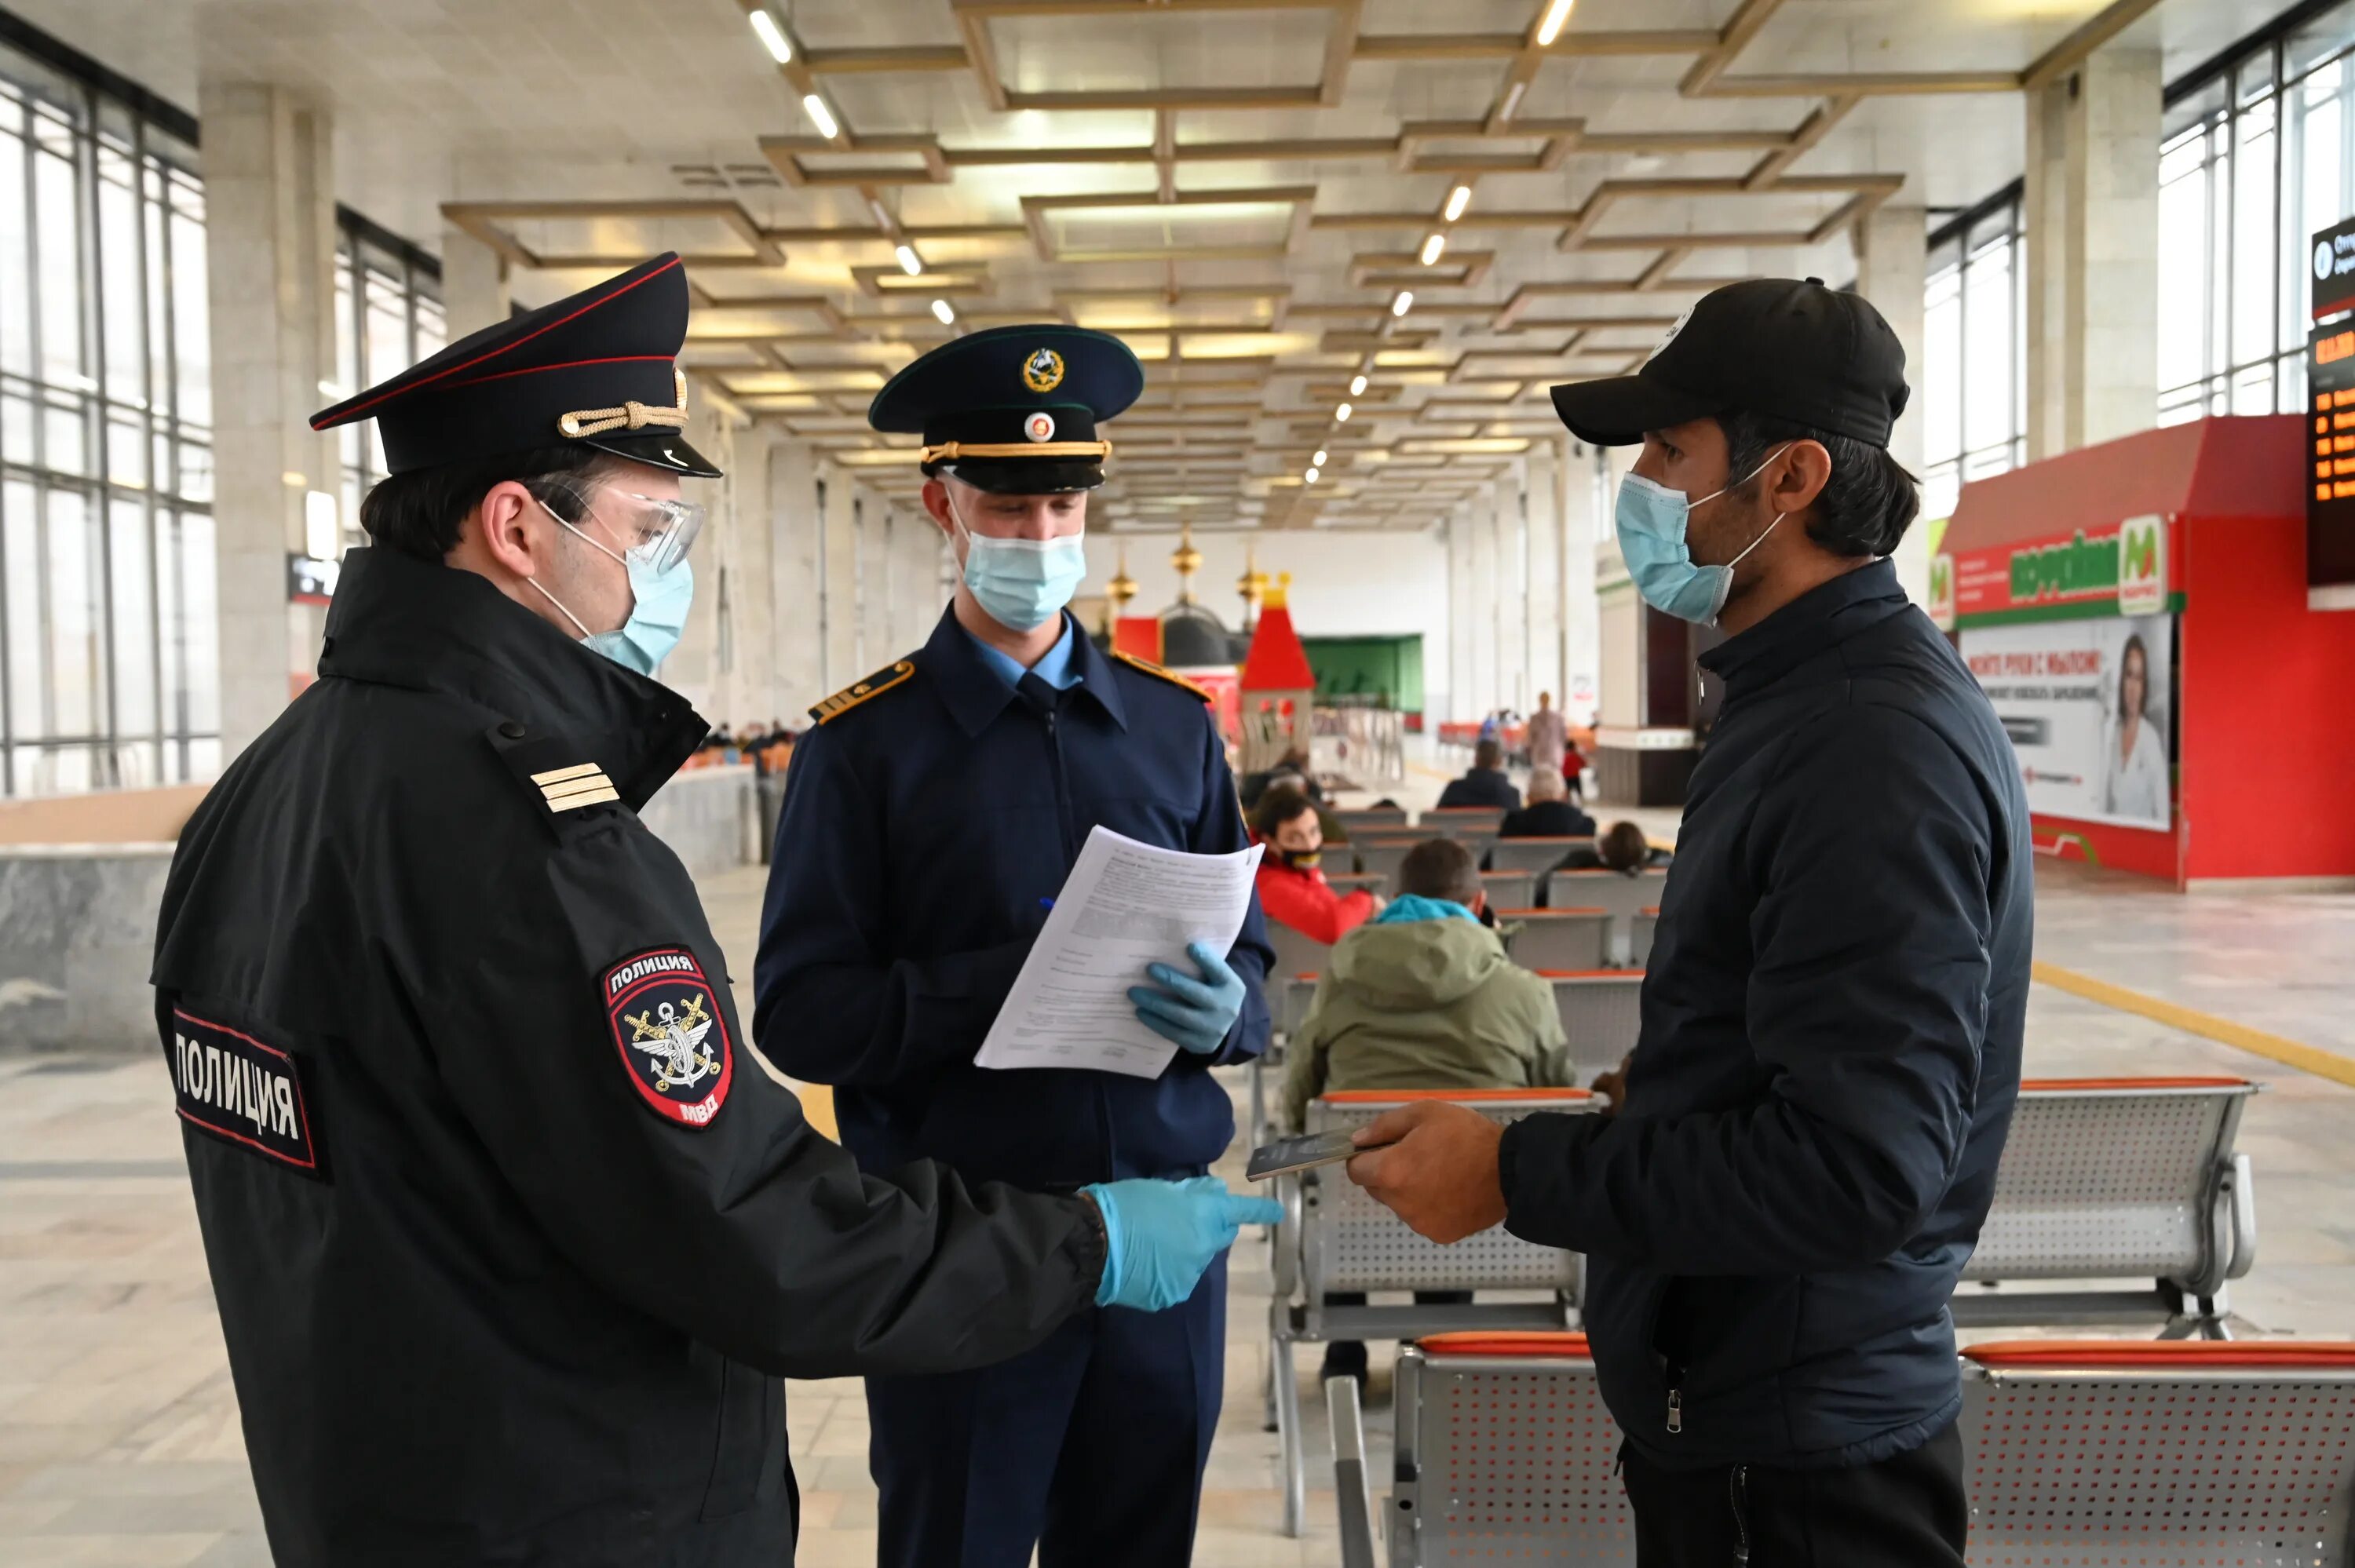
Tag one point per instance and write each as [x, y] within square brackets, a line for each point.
[1789, 349]
[1014, 409]
[600, 368]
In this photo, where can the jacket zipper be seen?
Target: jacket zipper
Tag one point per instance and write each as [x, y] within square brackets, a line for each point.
[1737, 1493]
[1676, 1410]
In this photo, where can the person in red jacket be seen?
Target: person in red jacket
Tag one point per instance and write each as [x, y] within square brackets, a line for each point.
[1291, 889]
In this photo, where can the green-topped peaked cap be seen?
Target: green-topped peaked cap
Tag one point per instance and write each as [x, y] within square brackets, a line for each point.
[1014, 409]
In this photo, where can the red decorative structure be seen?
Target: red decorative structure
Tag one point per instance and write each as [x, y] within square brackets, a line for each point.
[2190, 540]
[1279, 688]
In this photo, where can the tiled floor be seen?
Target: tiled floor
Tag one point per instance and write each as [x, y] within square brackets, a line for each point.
[119, 1444]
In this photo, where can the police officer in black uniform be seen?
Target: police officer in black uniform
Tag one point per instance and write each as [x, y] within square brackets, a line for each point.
[511, 1242]
[929, 821]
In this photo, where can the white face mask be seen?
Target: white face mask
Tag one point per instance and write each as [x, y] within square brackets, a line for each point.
[1022, 583]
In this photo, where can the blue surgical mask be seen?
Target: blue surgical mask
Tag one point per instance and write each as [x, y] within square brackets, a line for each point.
[1022, 583]
[1651, 521]
[658, 608]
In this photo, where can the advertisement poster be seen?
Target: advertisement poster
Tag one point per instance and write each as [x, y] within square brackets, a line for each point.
[2089, 704]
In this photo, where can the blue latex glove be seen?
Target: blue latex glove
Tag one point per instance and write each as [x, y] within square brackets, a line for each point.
[1195, 1013]
[1161, 1236]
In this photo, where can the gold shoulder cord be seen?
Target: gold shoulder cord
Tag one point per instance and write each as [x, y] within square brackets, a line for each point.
[850, 696]
[1150, 667]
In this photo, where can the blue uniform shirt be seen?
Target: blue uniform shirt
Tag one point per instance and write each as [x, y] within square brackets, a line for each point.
[926, 826]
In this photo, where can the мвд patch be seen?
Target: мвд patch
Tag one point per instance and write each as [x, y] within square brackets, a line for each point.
[666, 1024]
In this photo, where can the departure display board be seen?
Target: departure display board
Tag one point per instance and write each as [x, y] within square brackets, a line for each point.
[2330, 413]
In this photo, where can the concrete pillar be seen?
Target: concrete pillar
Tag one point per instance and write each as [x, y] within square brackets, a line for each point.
[837, 584]
[1458, 693]
[1514, 586]
[2092, 252]
[1481, 687]
[1584, 498]
[1544, 489]
[474, 283]
[1892, 272]
[794, 577]
[917, 583]
[753, 606]
[270, 249]
[879, 640]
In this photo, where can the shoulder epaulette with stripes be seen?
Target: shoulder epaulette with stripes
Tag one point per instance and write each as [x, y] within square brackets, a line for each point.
[858, 692]
[1149, 667]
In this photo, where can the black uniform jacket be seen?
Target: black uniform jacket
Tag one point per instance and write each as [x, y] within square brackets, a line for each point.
[1829, 1056]
[511, 1237]
[927, 828]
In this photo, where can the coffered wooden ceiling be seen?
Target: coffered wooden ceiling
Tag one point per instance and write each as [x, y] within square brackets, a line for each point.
[1247, 189]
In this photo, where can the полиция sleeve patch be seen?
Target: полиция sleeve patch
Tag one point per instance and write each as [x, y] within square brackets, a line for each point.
[673, 1041]
[244, 1092]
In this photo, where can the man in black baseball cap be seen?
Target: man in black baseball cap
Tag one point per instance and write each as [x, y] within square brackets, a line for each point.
[1775, 1220]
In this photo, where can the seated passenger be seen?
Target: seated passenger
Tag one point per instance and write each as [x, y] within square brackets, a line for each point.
[1292, 890]
[1549, 814]
[1621, 848]
[1425, 998]
[1485, 784]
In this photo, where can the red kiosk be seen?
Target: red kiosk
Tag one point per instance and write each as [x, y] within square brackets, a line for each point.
[2137, 612]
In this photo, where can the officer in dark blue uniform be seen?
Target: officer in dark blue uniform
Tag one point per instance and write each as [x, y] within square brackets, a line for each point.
[930, 819]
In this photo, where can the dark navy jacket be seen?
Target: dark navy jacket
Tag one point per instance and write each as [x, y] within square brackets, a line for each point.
[925, 829]
[1829, 1055]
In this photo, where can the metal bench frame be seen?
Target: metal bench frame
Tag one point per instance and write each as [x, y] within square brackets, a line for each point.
[2109, 1179]
[2113, 1453]
[1309, 1260]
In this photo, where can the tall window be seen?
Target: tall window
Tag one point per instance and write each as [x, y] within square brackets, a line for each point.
[108, 650]
[2256, 158]
[1973, 326]
[387, 317]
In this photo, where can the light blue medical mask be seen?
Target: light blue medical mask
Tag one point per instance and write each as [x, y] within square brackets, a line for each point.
[1651, 521]
[1022, 583]
[658, 608]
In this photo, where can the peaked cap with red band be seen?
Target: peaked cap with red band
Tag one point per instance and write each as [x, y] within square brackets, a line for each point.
[600, 368]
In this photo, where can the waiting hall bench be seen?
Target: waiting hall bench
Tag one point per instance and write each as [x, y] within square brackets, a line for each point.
[2077, 1453]
[2115, 1178]
[1334, 1238]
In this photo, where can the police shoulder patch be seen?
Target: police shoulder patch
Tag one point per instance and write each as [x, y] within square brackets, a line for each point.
[244, 1092]
[1150, 667]
[668, 1026]
[857, 692]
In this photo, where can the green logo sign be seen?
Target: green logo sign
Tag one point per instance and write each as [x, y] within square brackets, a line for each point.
[2056, 571]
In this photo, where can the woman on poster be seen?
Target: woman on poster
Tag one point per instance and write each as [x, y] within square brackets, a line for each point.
[2134, 773]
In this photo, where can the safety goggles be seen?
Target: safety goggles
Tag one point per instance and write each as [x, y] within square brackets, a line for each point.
[653, 532]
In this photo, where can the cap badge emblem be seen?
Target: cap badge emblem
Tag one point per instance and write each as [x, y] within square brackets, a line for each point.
[1676, 327]
[1040, 426]
[1043, 371]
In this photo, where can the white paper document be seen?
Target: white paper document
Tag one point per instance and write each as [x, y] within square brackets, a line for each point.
[1124, 905]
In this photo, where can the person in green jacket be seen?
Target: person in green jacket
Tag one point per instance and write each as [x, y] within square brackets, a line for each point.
[1425, 998]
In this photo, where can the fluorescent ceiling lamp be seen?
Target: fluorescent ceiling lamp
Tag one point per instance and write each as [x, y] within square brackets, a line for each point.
[941, 309]
[1357, 385]
[1403, 303]
[1551, 28]
[772, 37]
[910, 263]
[821, 116]
[1512, 101]
[1433, 247]
[1318, 461]
[1311, 475]
[1342, 413]
[1457, 200]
